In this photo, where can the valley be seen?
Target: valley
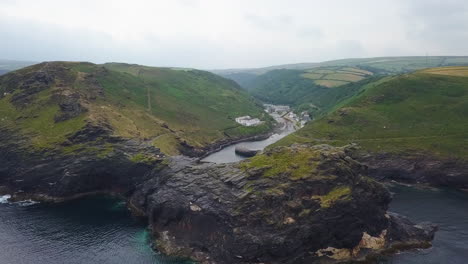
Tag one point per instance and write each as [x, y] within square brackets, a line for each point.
[163, 140]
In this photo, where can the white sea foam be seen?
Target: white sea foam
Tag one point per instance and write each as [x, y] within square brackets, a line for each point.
[27, 202]
[4, 198]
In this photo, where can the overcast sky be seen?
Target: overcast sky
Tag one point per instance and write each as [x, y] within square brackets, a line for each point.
[212, 34]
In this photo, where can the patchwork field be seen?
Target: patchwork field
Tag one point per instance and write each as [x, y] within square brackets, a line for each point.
[335, 76]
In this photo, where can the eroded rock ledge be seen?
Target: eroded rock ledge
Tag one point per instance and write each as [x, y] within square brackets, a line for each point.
[289, 205]
[296, 204]
[413, 167]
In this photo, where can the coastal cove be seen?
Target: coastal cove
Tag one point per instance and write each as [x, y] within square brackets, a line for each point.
[101, 230]
[285, 126]
[64, 231]
[305, 199]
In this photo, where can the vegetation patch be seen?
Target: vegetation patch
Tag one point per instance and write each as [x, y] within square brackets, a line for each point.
[293, 163]
[144, 159]
[338, 193]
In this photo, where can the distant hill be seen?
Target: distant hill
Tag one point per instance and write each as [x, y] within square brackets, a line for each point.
[314, 86]
[421, 112]
[11, 65]
[379, 64]
[172, 109]
[314, 90]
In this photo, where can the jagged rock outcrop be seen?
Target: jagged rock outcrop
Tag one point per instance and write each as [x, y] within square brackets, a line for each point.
[289, 205]
[94, 166]
[418, 169]
[413, 167]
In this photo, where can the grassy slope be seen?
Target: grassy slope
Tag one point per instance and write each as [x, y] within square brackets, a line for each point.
[283, 87]
[192, 106]
[199, 104]
[335, 76]
[422, 111]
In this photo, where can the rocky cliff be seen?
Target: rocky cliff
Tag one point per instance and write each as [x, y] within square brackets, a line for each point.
[289, 205]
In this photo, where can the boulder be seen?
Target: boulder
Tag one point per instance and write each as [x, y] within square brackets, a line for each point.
[245, 152]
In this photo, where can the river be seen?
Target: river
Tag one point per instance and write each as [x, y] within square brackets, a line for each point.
[227, 154]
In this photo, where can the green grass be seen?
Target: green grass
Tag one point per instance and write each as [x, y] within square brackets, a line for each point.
[307, 90]
[294, 164]
[199, 105]
[335, 76]
[160, 105]
[36, 122]
[338, 193]
[416, 112]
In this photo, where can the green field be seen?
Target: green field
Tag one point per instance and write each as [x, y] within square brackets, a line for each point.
[425, 111]
[335, 76]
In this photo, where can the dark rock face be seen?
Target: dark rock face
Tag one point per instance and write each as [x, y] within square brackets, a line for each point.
[235, 213]
[53, 175]
[70, 107]
[417, 168]
[402, 229]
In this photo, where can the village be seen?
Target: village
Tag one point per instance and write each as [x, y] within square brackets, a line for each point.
[280, 113]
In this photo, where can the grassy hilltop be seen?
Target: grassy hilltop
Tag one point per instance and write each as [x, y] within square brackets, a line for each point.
[49, 102]
[424, 111]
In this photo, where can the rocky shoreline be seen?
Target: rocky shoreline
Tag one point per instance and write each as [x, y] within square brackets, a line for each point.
[228, 214]
[201, 153]
[319, 210]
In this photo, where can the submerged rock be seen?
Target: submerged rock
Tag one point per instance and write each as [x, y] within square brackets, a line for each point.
[289, 205]
[245, 152]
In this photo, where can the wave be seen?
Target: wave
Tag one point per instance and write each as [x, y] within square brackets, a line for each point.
[4, 198]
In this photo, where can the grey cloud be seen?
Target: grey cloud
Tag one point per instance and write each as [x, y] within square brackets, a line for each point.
[226, 34]
[438, 25]
[271, 23]
[310, 32]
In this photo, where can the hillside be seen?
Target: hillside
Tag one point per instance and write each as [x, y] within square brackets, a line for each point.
[423, 111]
[411, 127]
[314, 90]
[172, 109]
[302, 85]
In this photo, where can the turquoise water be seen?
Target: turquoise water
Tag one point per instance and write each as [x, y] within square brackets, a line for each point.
[101, 230]
[91, 230]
